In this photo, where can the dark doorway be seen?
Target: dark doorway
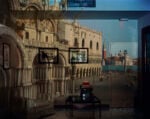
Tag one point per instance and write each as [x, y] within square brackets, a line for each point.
[145, 66]
[145, 50]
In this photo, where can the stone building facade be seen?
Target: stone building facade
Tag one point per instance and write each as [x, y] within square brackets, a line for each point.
[26, 77]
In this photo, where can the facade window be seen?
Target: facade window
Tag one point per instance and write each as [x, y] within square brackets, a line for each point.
[27, 35]
[97, 46]
[83, 43]
[75, 42]
[83, 34]
[91, 44]
[46, 38]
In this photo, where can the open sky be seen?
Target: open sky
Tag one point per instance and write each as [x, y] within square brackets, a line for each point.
[120, 34]
[115, 32]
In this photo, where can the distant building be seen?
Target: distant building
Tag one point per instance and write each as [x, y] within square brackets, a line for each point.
[120, 59]
[104, 53]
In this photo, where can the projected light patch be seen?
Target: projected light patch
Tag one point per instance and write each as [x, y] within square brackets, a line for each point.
[78, 55]
[48, 55]
[81, 3]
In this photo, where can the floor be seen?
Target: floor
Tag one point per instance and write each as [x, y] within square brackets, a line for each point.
[122, 113]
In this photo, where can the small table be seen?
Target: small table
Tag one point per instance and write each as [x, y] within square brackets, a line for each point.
[76, 102]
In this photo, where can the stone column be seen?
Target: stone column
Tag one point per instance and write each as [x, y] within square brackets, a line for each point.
[63, 78]
[73, 74]
[53, 89]
[64, 86]
[56, 72]
[67, 87]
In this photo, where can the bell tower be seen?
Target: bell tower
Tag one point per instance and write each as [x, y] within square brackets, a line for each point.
[104, 51]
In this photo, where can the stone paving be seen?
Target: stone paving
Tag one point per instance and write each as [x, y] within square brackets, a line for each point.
[113, 91]
[107, 114]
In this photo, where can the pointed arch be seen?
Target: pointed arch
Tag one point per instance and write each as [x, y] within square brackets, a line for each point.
[35, 6]
[62, 59]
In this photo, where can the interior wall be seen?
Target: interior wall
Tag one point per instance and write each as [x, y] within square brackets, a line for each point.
[142, 22]
[143, 86]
